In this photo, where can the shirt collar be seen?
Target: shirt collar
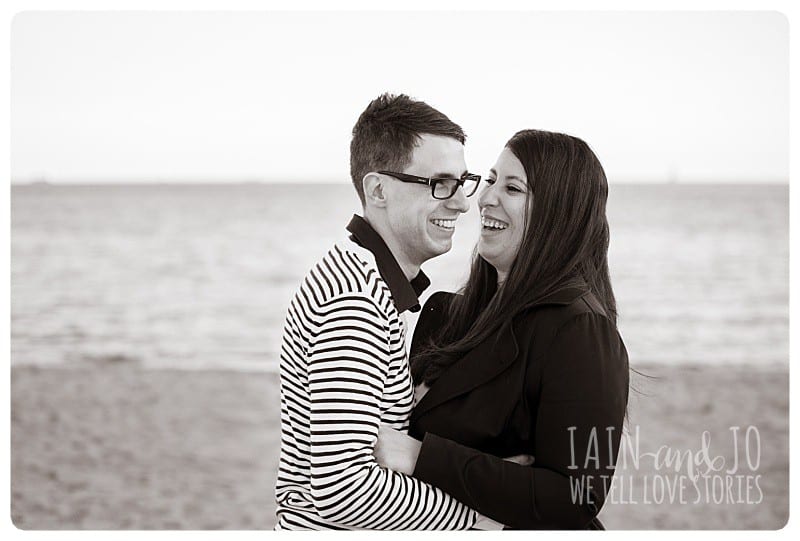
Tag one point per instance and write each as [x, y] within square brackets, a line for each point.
[405, 293]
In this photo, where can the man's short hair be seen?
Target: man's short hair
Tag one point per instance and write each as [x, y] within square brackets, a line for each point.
[387, 132]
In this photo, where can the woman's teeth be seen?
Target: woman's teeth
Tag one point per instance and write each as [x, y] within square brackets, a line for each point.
[447, 224]
[493, 224]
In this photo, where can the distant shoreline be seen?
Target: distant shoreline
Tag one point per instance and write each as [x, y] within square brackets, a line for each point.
[646, 368]
[346, 182]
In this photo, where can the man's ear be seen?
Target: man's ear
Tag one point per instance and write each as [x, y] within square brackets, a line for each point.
[374, 190]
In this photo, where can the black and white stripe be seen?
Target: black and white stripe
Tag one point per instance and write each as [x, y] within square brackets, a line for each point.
[344, 370]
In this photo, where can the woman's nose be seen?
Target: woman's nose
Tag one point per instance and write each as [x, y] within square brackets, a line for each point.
[487, 196]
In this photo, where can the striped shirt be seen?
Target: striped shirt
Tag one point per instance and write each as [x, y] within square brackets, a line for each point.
[344, 370]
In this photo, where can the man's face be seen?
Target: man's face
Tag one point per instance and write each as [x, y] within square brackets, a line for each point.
[423, 226]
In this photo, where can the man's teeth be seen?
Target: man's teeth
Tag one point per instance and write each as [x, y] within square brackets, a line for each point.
[447, 224]
[493, 224]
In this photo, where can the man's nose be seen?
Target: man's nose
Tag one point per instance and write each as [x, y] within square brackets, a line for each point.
[459, 201]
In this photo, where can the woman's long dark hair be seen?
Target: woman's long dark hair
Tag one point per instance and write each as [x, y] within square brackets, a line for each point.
[565, 240]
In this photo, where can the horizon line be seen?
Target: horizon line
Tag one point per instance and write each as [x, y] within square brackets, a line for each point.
[195, 181]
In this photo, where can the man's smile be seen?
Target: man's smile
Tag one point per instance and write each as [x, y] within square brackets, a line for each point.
[448, 224]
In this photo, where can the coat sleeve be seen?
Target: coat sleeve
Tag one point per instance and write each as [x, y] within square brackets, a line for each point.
[578, 423]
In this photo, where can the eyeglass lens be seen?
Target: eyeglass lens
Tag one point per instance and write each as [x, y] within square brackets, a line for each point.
[446, 188]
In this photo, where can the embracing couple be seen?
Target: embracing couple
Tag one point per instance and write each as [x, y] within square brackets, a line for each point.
[509, 409]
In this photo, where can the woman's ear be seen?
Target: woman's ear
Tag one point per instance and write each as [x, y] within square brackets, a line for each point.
[374, 190]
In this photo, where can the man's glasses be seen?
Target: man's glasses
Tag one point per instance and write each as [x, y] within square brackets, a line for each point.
[441, 188]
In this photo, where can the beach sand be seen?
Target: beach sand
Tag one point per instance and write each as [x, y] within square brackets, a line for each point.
[117, 446]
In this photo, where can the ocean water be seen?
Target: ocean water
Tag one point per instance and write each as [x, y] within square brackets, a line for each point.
[199, 276]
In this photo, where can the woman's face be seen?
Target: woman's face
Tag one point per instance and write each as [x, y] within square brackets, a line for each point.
[504, 204]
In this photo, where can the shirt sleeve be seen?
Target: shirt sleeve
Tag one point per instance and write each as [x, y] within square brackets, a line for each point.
[348, 366]
[578, 425]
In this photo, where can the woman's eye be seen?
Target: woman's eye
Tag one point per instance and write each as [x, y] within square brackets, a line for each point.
[490, 181]
[512, 188]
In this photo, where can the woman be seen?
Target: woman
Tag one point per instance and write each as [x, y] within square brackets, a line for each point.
[527, 359]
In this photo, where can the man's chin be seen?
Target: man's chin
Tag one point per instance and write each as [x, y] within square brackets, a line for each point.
[439, 248]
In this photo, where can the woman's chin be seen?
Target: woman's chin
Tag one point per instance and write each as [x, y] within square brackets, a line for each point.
[488, 256]
[495, 260]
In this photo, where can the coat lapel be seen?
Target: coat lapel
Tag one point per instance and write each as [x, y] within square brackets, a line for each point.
[487, 360]
[481, 364]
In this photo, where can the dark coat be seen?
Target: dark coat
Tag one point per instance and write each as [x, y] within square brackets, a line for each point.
[553, 384]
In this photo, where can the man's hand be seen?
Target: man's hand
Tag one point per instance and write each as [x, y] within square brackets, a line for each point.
[396, 450]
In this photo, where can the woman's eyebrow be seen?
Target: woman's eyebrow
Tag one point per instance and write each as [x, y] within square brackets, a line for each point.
[507, 177]
[514, 177]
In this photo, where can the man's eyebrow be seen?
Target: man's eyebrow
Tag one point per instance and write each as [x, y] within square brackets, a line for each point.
[448, 175]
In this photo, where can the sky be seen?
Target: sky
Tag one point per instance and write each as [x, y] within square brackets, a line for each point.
[272, 96]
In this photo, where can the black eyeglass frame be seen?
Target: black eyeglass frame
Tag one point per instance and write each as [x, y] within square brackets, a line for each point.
[433, 181]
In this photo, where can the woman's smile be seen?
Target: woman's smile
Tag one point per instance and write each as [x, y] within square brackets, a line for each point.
[490, 223]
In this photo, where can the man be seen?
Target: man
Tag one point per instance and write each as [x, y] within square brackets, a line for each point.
[344, 366]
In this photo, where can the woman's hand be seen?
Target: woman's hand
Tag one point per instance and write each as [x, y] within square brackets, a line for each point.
[396, 450]
[522, 460]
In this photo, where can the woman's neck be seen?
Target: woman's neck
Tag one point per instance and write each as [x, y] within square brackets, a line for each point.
[501, 277]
